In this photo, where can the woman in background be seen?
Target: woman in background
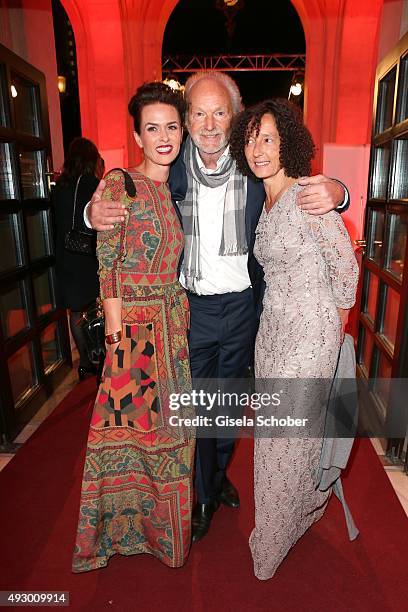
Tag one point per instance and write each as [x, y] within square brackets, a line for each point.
[137, 483]
[311, 277]
[77, 274]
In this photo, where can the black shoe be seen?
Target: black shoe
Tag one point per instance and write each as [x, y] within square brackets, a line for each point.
[201, 519]
[85, 372]
[228, 494]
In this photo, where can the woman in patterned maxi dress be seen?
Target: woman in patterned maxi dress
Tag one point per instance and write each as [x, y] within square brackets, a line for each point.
[137, 484]
[311, 277]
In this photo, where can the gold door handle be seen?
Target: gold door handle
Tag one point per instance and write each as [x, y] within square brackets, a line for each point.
[361, 243]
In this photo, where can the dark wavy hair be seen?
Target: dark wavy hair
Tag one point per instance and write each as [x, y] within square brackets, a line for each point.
[152, 93]
[296, 145]
[82, 158]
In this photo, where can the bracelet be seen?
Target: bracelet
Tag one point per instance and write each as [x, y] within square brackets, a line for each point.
[113, 338]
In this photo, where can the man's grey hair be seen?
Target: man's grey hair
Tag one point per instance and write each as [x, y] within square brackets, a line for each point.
[225, 80]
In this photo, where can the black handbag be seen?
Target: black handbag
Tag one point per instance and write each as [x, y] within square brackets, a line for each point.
[92, 324]
[77, 241]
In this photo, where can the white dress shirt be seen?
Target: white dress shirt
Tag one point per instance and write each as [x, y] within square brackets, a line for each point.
[220, 274]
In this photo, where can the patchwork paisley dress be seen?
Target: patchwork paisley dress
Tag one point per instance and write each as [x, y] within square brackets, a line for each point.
[136, 494]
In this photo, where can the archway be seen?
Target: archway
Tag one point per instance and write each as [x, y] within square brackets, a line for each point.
[119, 46]
[101, 75]
[340, 70]
[67, 68]
[239, 49]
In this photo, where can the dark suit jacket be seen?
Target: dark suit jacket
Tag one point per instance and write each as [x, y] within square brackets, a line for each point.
[254, 203]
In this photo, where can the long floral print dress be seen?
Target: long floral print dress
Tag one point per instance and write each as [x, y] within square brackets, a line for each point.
[136, 492]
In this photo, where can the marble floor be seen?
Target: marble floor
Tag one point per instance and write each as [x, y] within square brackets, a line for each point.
[398, 479]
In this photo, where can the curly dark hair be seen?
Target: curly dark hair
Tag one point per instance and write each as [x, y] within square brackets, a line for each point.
[296, 145]
[82, 158]
[152, 93]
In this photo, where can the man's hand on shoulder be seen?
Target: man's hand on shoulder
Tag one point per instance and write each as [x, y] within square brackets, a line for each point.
[102, 214]
[320, 194]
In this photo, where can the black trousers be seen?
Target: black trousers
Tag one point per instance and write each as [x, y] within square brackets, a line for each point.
[221, 341]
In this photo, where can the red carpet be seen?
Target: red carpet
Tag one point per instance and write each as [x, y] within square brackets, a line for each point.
[38, 514]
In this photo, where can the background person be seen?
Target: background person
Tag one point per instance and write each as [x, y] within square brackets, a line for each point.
[311, 277]
[137, 484]
[76, 274]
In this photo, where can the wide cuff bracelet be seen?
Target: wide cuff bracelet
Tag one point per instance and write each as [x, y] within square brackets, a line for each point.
[113, 338]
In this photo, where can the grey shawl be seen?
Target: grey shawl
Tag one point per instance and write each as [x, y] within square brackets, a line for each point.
[233, 241]
[341, 420]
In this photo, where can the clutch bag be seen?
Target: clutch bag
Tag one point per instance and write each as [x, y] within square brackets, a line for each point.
[77, 241]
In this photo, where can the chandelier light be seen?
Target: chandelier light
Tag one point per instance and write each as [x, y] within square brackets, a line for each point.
[296, 89]
[61, 84]
[174, 84]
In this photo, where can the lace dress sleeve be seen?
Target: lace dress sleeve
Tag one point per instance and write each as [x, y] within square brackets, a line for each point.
[331, 236]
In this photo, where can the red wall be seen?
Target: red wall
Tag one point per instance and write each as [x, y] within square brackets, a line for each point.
[101, 57]
[394, 24]
[118, 48]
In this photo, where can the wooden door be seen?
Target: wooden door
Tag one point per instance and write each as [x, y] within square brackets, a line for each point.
[34, 344]
[382, 351]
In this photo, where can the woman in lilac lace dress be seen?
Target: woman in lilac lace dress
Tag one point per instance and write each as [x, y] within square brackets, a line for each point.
[311, 276]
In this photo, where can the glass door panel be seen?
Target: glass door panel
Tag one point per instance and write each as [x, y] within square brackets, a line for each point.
[10, 240]
[8, 190]
[37, 223]
[397, 244]
[402, 99]
[380, 171]
[365, 349]
[4, 99]
[26, 106]
[32, 171]
[399, 188]
[43, 293]
[376, 232]
[385, 103]
[372, 284]
[22, 372]
[13, 311]
[382, 380]
[388, 324]
[50, 346]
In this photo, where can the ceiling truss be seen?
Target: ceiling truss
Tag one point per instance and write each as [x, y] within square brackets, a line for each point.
[277, 62]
